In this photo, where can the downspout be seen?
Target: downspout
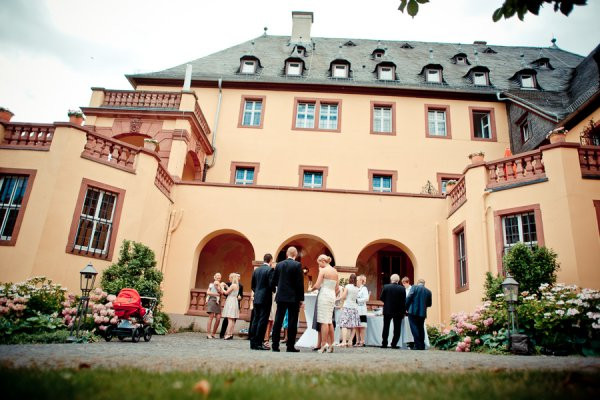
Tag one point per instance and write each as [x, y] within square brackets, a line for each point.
[528, 106]
[214, 136]
[486, 244]
[439, 273]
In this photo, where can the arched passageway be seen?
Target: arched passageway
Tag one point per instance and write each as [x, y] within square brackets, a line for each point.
[309, 248]
[225, 253]
[192, 169]
[379, 260]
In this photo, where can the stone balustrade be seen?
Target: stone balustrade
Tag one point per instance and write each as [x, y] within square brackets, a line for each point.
[589, 161]
[458, 195]
[28, 136]
[201, 120]
[109, 151]
[523, 167]
[141, 99]
[198, 304]
[163, 181]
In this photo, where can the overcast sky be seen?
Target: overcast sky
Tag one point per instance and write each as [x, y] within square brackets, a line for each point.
[52, 52]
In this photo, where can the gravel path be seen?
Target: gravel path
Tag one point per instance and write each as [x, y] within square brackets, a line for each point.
[192, 351]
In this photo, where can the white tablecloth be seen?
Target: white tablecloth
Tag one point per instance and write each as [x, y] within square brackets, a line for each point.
[375, 332]
[310, 336]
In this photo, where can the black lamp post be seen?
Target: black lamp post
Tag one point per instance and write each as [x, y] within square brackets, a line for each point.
[510, 288]
[87, 277]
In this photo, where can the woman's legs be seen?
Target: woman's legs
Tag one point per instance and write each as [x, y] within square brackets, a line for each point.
[331, 333]
[211, 316]
[217, 320]
[230, 326]
[268, 332]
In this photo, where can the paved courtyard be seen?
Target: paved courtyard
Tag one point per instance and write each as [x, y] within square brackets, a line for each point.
[192, 351]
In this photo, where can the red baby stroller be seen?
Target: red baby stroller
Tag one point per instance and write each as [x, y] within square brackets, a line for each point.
[135, 316]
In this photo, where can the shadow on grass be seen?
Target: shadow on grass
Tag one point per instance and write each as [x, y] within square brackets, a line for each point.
[137, 384]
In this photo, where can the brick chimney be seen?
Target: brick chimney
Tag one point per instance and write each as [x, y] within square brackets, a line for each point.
[301, 24]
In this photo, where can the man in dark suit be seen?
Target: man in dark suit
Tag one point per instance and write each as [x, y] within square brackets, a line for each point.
[419, 298]
[289, 280]
[393, 296]
[263, 297]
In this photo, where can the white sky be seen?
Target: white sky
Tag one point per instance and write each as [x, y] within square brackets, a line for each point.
[52, 52]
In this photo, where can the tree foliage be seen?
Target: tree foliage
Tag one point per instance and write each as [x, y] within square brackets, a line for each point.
[530, 267]
[508, 9]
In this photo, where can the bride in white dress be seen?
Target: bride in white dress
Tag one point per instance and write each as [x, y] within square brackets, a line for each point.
[329, 287]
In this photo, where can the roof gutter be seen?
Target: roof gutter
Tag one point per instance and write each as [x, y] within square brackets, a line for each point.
[531, 107]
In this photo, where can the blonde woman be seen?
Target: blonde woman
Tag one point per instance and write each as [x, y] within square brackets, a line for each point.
[349, 320]
[329, 287]
[213, 308]
[361, 299]
[231, 310]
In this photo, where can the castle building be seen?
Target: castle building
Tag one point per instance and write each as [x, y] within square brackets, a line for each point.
[429, 160]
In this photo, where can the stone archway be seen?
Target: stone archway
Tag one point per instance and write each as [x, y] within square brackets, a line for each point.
[380, 259]
[309, 248]
[225, 252]
[192, 169]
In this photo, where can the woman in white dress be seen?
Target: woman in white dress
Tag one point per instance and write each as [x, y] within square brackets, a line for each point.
[328, 286]
[349, 320]
[213, 308]
[231, 310]
[361, 299]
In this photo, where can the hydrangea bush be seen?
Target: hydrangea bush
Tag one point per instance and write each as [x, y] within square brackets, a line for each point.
[561, 319]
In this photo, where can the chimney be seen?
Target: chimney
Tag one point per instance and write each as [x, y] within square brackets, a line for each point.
[301, 23]
[480, 42]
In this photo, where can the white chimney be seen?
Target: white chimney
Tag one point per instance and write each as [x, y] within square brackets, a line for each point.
[187, 82]
[301, 23]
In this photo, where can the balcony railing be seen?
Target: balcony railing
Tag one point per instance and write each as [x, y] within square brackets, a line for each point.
[141, 99]
[201, 119]
[28, 136]
[522, 167]
[589, 161]
[198, 304]
[458, 195]
[163, 181]
[109, 151]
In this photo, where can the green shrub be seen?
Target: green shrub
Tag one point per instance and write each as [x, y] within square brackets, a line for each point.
[531, 267]
[492, 286]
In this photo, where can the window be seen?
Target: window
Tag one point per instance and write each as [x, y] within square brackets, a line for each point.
[460, 259]
[328, 116]
[327, 111]
[480, 78]
[248, 67]
[15, 187]
[252, 113]
[313, 179]
[385, 73]
[461, 60]
[294, 68]
[244, 176]
[340, 71]
[95, 220]
[520, 224]
[434, 76]
[444, 178]
[378, 53]
[383, 118]
[382, 183]
[526, 131]
[305, 115]
[527, 81]
[483, 125]
[436, 122]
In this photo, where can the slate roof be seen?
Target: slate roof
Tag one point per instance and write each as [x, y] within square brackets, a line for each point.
[560, 86]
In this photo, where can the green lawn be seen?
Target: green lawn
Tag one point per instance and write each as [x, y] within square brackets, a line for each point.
[140, 385]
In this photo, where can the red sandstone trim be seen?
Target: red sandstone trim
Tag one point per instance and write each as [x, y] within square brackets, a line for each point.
[85, 184]
[438, 107]
[263, 100]
[391, 104]
[392, 173]
[499, 237]
[30, 173]
[492, 124]
[455, 232]
[317, 102]
[243, 164]
[448, 176]
[597, 206]
[312, 168]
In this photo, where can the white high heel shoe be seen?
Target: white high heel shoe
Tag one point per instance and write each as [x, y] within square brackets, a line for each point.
[325, 348]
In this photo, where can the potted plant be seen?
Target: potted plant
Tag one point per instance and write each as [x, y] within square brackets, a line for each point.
[476, 157]
[75, 117]
[450, 185]
[5, 114]
[151, 144]
[557, 135]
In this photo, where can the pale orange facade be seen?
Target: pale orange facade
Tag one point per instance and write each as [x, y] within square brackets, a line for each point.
[182, 200]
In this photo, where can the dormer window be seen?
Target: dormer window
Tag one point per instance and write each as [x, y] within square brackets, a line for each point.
[433, 76]
[339, 71]
[248, 67]
[527, 81]
[542, 63]
[301, 50]
[406, 46]
[489, 50]
[294, 67]
[378, 54]
[385, 73]
[460, 59]
[480, 78]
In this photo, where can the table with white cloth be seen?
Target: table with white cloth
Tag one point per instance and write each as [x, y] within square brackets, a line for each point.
[375, 332]
[310, 336]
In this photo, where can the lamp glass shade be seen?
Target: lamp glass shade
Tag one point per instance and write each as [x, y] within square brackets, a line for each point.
[87, 277]
[510, 288]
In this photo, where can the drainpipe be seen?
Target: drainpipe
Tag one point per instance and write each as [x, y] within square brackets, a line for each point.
[527, 105]
[486, 244]
[439, 273]
[214, 157]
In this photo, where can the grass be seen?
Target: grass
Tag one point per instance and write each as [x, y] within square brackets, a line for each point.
[136, 384]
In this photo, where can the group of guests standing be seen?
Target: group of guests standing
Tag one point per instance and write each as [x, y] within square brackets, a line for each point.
[278, 293]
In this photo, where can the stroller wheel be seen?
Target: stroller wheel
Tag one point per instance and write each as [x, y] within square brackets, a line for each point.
[121, 338]
[147, 333]
[108, 337]
[135, 335]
